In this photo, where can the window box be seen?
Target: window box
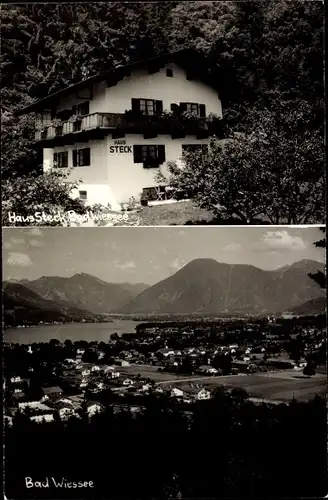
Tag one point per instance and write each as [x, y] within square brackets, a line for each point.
[192, 110]
[149, 107]
[150, 156]
[151, 163]
[59, 130]
[77, 125]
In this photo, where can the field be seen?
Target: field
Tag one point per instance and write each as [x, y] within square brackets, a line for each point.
[273, 386]
[148, 371]
[277, 386]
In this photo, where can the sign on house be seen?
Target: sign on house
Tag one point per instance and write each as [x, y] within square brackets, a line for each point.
[120, 147]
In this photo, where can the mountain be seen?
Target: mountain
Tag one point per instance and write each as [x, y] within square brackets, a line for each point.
[23, 305]
[85, 291]
[207, 286]
[311, 307]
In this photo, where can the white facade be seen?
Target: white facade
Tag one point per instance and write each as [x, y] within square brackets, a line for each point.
[112, 176]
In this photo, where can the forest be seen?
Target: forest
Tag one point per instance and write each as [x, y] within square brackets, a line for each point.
[267, 54]
[226, 447]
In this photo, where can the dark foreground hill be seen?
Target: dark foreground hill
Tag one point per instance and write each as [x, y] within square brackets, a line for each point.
[310, 307]
[23, 306]
[207, 286]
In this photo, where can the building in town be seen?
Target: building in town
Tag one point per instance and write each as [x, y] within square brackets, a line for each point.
[116, 129]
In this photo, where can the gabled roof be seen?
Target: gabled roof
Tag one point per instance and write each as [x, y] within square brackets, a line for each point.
[189, 59]
[52, 390]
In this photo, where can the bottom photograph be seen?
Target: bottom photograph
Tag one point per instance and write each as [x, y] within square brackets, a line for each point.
[177, 362]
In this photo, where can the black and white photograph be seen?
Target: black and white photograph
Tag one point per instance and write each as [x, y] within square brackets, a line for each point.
[162, 113]
[164, 250]
[165, 362]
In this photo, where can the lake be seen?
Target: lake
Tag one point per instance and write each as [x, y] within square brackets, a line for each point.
[71, 331]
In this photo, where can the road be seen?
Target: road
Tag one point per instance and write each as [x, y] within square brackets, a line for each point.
[198, 379]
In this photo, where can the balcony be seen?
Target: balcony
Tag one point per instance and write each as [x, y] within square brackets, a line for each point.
[98, 125]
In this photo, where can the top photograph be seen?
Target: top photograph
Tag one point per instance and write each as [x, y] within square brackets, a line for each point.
[163, 113]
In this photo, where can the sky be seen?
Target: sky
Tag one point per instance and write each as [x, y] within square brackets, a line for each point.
[149, 254]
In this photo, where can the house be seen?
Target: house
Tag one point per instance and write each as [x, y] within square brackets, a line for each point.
[92, 409]
[122, 362]
[111, 372]
[128, 381]
[145, 388]
[177, 393]
[117, 128]
[70, 361]
[66, 412]
[35, 405]
[52, 391]
[165, 352]
[48, 417]
[203, 394]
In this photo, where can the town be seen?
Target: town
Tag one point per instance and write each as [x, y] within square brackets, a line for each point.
[183, 362]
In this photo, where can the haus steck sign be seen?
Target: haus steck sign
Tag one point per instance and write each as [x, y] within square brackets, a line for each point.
[120, 147]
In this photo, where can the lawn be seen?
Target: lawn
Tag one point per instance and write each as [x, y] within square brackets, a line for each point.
[170, 214]
[179, 214]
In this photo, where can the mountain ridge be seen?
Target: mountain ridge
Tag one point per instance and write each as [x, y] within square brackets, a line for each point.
[84, 291]
[208, 286]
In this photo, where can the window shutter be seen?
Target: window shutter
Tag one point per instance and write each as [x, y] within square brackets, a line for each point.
[161, 153]
[86, 157]
[65, 163]
[202, 110]
[74, 158]
[56, 159]
[183, 106]
[137, 154]
[135, 104]
[159, 107]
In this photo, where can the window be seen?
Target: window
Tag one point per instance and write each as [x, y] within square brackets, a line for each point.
[61, 159]
[83, 109]
[149, 155]
[193, 107]
[64, 114]
[83, 195]
[191, 148]
[169, 72]
[147, 106]
[81, 157]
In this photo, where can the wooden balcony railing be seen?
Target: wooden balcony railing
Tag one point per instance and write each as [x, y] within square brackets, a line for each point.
[147, 125]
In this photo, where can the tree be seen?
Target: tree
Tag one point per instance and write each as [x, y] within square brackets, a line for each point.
[309, 369]
[320, 277]
[30, 196]
[272, 167]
